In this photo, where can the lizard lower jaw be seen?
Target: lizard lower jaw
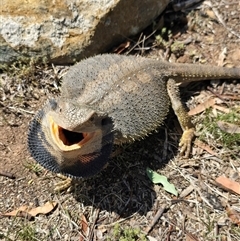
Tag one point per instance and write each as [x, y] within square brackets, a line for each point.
[69, 140]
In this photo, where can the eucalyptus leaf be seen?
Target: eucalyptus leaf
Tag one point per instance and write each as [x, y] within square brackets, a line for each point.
[157, 178]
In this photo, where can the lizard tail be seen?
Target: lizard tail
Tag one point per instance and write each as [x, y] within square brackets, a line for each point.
[190, 72]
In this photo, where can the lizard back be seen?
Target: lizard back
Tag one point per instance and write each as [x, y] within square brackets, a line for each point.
[127, 89]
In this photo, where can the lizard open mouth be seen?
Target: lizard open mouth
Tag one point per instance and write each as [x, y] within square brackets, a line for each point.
[73, 154]
[69, 140]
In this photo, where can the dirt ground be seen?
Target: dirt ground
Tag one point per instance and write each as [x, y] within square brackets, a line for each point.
[122, 197]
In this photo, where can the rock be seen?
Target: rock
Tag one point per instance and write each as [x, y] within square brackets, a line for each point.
[66, 31]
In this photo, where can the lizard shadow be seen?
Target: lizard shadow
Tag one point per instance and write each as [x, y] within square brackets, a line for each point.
[123, 186]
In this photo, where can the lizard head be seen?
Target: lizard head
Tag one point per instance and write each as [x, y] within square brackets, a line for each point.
[71, 140]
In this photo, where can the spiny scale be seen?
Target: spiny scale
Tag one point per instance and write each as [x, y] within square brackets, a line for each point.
[113, 96]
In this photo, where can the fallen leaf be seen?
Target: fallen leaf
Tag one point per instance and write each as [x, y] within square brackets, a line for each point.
[45, 209]
[228, 184]
[15, 212]
[228, 127]
[21, 212]
[233, 215]
[29, 212]
[201, 107]
[157, 178]
[84, 226]
[205, 147]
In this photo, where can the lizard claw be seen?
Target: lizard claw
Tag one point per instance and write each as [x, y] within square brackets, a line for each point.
[186, 142]
[66, 184]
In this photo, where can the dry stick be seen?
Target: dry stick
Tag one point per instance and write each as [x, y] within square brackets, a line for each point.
[156, 217]
[140, 41]
[135, 45]
[222, 96]
[19, 110]
[7, 174]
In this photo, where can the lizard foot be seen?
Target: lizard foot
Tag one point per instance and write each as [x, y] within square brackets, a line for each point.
[186, 142]
[66, 184]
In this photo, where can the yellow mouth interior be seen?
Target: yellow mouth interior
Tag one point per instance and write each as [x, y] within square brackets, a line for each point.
[68, 140]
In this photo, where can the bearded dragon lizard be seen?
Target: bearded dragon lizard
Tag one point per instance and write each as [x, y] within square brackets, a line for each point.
[111, 99]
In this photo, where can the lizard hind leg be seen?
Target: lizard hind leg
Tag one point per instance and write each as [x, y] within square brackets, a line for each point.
[183, 118]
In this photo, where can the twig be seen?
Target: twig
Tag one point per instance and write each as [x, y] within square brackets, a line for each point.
[156, 218]
[21, 110]
[222, 96]
[140, 41]
[7, 174]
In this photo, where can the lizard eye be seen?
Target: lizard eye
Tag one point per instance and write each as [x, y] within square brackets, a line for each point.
[53, 104]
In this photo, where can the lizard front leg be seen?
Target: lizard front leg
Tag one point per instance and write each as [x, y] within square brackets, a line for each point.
[65, 184]
[183, 118]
